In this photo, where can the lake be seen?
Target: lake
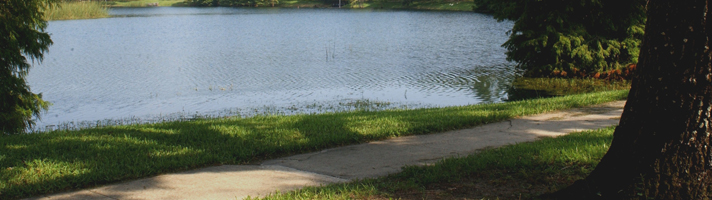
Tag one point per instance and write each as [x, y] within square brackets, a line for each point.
[153, 64]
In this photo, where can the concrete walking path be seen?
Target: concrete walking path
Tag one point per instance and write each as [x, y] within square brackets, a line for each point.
[347, 163]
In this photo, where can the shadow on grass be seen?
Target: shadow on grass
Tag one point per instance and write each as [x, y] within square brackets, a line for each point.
[57, 161]
[521, 171]
[64, 160]
[525, 170]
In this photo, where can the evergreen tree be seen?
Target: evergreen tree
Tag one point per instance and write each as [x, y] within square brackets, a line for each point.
[21, 35]
[574, 37]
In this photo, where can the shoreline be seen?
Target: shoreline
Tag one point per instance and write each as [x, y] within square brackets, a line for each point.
[35, 164]
[455, 6]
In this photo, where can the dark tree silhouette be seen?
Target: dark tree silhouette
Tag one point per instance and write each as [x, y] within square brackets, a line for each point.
[661, 149]
[22, 35]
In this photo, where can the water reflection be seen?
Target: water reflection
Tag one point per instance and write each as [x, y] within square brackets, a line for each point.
[486, 84]
[151, 63]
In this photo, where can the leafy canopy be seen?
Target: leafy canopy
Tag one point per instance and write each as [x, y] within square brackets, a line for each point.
[579, 37]
[21, 35]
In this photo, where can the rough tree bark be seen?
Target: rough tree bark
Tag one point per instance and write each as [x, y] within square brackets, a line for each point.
[661, 148]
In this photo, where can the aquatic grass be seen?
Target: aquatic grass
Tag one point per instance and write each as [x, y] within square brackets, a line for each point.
[344, 105]
[567, 86]
[145, 3]
[417, 5]
[520, 171]
[76, 10]
[54, 161]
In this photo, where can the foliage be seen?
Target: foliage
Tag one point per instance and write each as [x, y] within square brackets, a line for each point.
[21, 34]
[575, 37]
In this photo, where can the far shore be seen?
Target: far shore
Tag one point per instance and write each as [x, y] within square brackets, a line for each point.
[94, 10]
[456, 5]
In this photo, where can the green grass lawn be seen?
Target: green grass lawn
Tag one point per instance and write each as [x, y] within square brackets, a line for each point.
[521, 171]
[40, 163]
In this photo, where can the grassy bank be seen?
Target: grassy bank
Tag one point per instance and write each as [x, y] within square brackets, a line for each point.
[76, 10]
[419, 5]
[33, 164]
[521, 171]
[144, 3]
[526, 88]
[416, 5]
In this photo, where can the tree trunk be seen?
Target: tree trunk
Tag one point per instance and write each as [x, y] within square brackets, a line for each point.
[661, 149]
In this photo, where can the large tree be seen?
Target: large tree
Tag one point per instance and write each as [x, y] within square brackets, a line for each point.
[21, 35]
[662, 148]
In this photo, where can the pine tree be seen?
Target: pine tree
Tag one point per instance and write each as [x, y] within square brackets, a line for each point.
[574, 37]
[21, 34]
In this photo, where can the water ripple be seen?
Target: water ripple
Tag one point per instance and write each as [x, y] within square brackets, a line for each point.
[156, 62]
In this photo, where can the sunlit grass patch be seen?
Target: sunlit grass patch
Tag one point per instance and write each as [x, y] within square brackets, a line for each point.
[54, 161]
[523, 171]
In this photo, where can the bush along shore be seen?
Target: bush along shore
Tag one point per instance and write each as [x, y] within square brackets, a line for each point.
[40, 163]
[521, 171]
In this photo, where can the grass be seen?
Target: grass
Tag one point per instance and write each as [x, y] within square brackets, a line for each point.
[144, 3]
[40, 163]
[521, 171]
[76, 10]
[524, 88]
[301, 4]
[422, 5]
[419, 5]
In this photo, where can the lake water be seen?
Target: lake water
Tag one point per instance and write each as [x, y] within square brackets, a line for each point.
[147, 64]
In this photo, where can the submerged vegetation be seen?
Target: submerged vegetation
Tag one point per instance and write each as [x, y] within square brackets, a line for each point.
[521, 171]
[76, 10]
[40, 163]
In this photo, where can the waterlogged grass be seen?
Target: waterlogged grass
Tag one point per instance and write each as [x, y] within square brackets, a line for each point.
[566, 86]
[525, 88]
[76, 10]
[40, 163]
[521, 171]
